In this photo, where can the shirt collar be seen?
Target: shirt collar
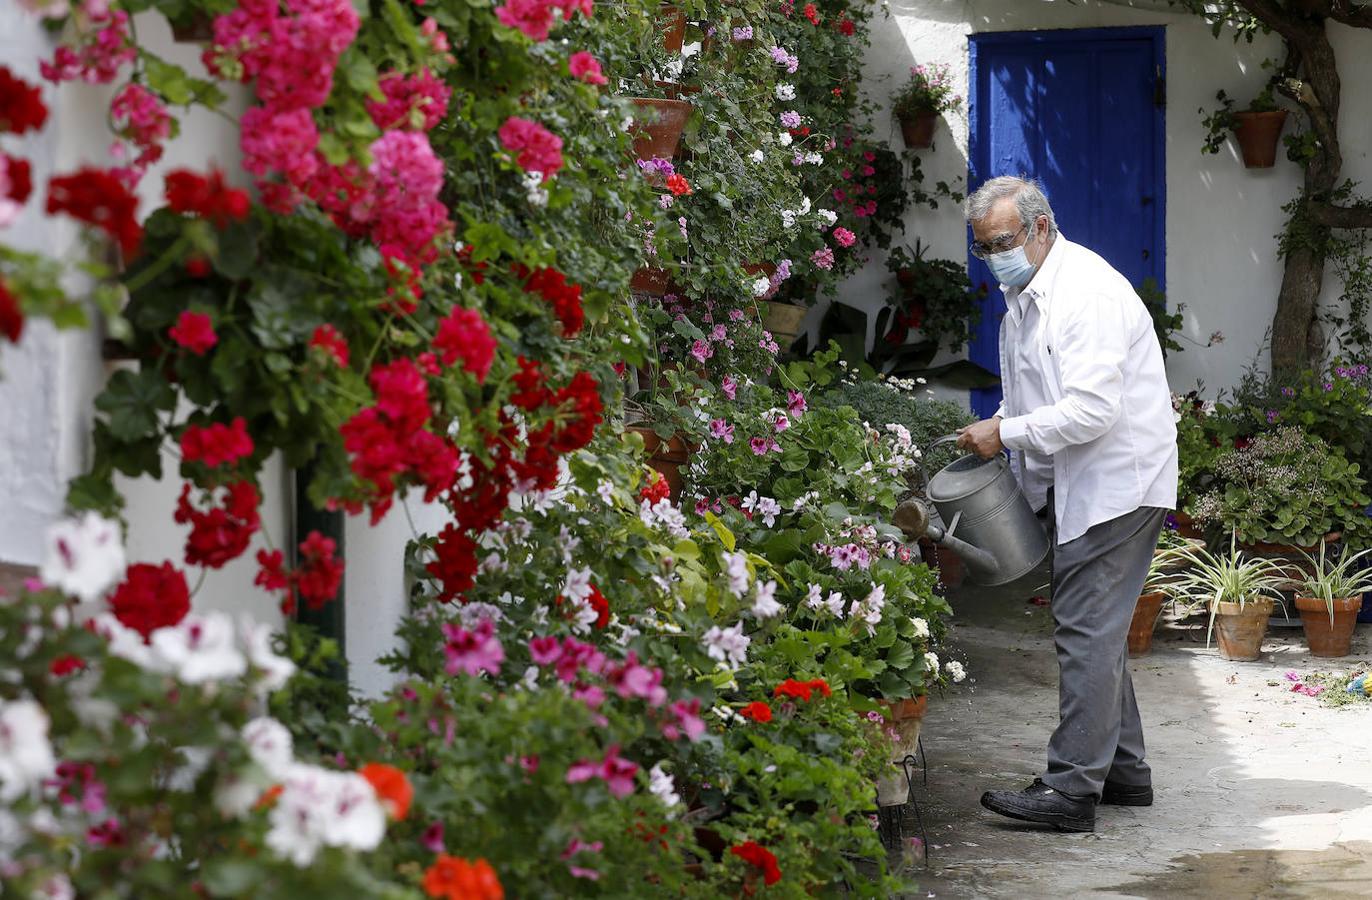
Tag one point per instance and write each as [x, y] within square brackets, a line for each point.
[1039, 286]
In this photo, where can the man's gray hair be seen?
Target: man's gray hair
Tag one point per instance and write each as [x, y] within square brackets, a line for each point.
[1030, 201]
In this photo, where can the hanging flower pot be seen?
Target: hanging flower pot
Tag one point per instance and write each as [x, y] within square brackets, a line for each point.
[918, 129]
[651, 280]
[763, 268]
[1146, 611]
[666, 456]
[1241, 628]
[907, 279]
[671, 26]
[1257, 134]
[657, 132]
[1326, 638]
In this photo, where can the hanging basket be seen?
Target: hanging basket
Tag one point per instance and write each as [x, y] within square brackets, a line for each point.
[1257, 134]
[918, 129]
[657, 131]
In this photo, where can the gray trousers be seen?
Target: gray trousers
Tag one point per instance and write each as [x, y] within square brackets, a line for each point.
[1097, 579]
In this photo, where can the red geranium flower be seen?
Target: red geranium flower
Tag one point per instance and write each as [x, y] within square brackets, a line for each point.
[220, 534]
[757, 711]
[216, 444]
[465, 335]
[759, 857]
[657, 489]
[392, 788]
[598, 603]
[206, 196]
[195, 332]
[319, 575]
[11, 317]
[327, 338]
[21, 104]
[678, 185]
[454, 878]
[98, 198]
[802, 690]
[151, 597]
[812, 13]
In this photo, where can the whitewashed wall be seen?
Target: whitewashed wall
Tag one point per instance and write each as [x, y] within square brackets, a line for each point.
[1221, 218]
[49, 381]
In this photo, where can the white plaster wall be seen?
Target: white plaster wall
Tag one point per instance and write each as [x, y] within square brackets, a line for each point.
[1221, 218]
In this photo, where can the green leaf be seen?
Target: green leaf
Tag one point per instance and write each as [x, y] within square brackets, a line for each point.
[231, 877]
[132, 400]
[726, 537]
[237, 250]
[901, 655]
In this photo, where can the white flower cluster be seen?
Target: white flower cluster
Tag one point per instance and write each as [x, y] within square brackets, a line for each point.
[790, 216]
[833, 604]
[904, 454]
[728, 645]
[26, 757]
[786, 92]
[870, 608]
[317, 807]
[84, 556]
[764, 508]
[765, 605]
[201, 649]
[665, 515]
[955, 670]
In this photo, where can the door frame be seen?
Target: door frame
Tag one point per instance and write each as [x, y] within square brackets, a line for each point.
[987, 333]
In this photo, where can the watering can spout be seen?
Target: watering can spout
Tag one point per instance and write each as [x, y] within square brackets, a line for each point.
[979, 562]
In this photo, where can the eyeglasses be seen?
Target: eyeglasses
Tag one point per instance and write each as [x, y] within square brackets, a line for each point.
[982, 249]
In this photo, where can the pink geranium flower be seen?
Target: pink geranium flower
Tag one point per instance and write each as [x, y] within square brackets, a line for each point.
[472, 651]
[585, 66]
[537, 149]
[722, 430]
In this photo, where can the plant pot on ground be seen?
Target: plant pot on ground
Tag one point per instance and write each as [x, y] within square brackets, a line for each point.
[1149, 605]
[1329, 597]
[1238, 592]
[905, 718]
[783, 321]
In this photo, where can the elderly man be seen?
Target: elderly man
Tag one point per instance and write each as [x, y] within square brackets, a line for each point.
[1088, 415]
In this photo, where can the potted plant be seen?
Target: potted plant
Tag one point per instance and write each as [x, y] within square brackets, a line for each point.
[1149, 605]
[1257, 128]
[919, 102]
[1329, 596]
[1238, 592]
[933, 296]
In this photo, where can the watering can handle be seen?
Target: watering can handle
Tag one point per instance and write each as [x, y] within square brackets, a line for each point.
[923, 467]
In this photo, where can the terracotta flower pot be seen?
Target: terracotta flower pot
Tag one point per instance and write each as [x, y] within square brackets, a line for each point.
[657, 131]
[1325, 639]
[1186, 526]
[1240, 630]
[1257, 134]
[671, 25]
[907, 279]
[650, 280]
[667, 457]
[906, 718]
[1145, 618]
[763, 268]
[918, 129]
[951, 569]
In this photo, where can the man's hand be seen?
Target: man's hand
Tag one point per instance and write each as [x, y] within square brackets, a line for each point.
[983, 438]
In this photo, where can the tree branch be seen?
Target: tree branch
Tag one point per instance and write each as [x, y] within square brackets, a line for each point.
[1357, 15]
[1274, 16]
[1335, 216]
[1304, 94]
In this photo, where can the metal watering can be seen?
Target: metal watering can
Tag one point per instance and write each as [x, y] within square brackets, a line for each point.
[988, 521]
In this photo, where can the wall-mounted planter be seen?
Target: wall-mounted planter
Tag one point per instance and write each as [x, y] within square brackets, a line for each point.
[1258, 134]
[671, 25]
[658, 131]
[918, 130]
[666, 456]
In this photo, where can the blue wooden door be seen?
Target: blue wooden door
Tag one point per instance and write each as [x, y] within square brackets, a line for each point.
[1081, 111]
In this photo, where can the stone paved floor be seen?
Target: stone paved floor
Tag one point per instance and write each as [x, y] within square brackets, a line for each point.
[1260, 792]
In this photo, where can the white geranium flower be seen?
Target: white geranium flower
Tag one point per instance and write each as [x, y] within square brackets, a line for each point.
[200, 649]
[828, 215]
[786, 92]
[784, 138]
[765, 605]
[274, 670]
[578, 584]
[26, 757]
[728, 645]
[757, 156]
[955, 670]
[931, 661]
[126, 643]
[736, 566]
[761, 286]
[662, 786]
[319, 808]
[533, 189]
[834, 603]
[270, 746]
[55, 887]
[84, 556]
[814, 597]
[921, 627]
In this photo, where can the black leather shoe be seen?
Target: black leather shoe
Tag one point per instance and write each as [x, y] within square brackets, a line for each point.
[1127, 794]
[1040, 803]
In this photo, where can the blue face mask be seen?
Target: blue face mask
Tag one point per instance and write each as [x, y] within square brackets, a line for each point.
[1012, 267]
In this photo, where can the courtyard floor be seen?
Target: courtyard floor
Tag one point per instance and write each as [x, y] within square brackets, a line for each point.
[1260, 792]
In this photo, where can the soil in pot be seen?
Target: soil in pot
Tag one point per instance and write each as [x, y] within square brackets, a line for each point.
[1257, 134]
[1240, 630]
[918, 130]
[1145, 618]
[658, 125]
[1328, 640]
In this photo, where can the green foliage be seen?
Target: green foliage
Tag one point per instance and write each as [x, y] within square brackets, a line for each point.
[929, 89]
[892, 401]
[933, 296]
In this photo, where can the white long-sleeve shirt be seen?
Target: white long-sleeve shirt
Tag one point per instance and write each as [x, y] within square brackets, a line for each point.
[1106, 421]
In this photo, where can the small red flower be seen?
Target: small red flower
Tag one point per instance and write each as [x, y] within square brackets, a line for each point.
[151, 597]
[812, 13]
[222, 533]
[802, 690]
[98, 198]
[11, 317]
[392, 788]
[564, 298]
[598, 603]
[197, 267]
[586, 67]
[319, 575]
[759, 857]
[21, 104]
[206, 196]
[66, 664]
[678, 185]
[657, 489]
[465, 335]
[757, 711]
[327, 338]
[216, 444]
[195, 332]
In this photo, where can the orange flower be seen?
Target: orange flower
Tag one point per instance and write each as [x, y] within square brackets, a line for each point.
[269, 796]
[392, 788]
[678, 185]
[801, 690]
[454, 878]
